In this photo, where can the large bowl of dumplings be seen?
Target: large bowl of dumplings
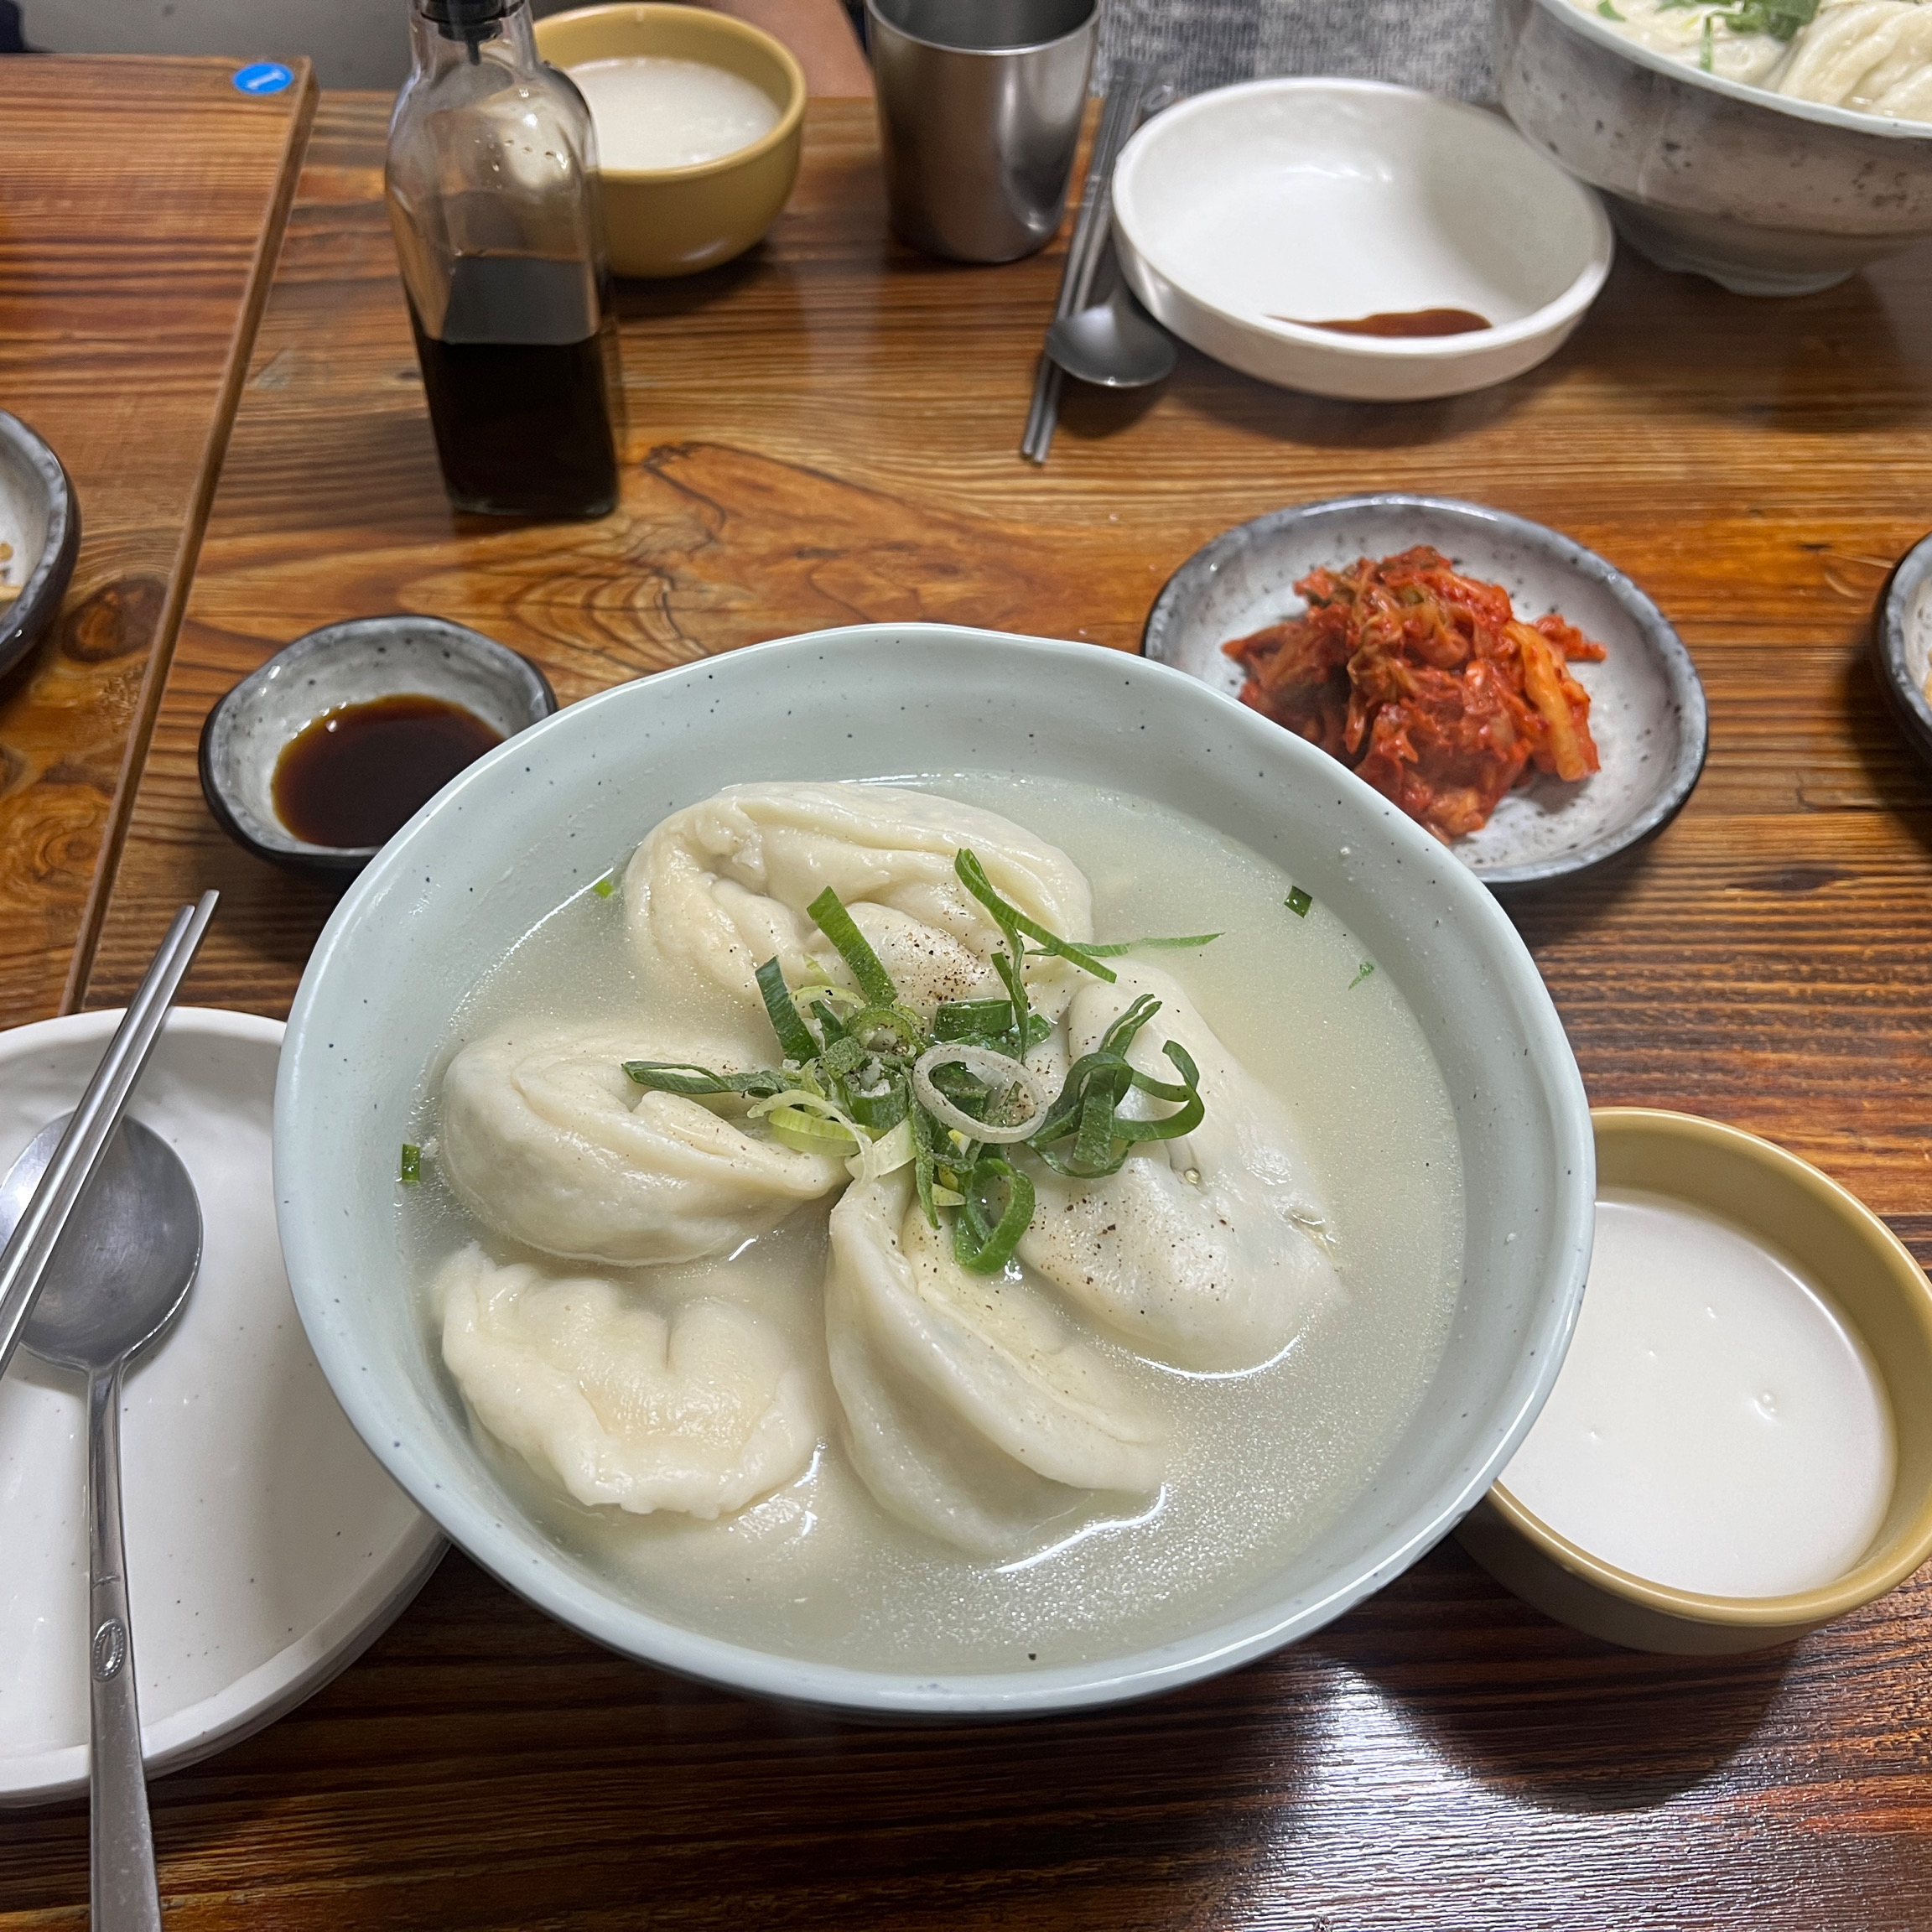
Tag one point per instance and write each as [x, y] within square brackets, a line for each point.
[931, 1171]
[1776, 145]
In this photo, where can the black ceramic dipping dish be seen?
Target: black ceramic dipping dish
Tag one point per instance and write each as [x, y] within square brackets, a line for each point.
[1902, 645]
[355, 663]
[40, 519]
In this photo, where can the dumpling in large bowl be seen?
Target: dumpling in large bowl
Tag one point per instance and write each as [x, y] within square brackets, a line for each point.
[974, 1411]
[547, 1139]
[1209, 1252]
[701, 1408]
[722, 886]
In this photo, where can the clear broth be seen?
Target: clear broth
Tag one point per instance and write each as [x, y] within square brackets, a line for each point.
[1263, 1461]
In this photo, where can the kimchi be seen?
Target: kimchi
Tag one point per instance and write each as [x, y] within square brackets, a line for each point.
[1427, 684]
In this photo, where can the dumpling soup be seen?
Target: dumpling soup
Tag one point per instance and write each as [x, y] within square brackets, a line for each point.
[953, 1223]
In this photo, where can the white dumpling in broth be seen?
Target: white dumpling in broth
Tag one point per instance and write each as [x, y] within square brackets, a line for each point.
[973, 1410]
[1872, 56]
[1217, 1272]
[701, 1409]
[547, 1139]
[722, 886]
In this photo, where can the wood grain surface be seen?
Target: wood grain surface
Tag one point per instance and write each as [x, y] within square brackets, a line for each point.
[827, 432]
[141, 206]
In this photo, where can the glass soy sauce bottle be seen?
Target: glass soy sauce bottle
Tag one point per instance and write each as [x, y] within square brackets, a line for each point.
[492, 183]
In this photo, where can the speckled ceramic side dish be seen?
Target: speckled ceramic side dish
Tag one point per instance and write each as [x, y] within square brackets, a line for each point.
[350, 664]
[1765, 195]
[1647, 710]
[1902, 645]
[40, 525]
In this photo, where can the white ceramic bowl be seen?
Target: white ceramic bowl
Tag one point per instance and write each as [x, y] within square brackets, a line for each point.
[1766, 195]
[544, 815]
[1329, 200]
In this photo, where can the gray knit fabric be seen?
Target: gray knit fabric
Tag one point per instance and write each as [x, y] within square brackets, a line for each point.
[1442, 45]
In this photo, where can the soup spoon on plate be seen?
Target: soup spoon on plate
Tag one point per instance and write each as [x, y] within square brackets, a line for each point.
[123, 1268]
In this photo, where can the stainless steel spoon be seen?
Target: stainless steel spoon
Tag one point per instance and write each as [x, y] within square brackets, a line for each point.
[124, 1267]
[1115, 343]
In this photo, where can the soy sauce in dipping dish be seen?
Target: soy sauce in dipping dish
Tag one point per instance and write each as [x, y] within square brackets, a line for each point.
[356, 776]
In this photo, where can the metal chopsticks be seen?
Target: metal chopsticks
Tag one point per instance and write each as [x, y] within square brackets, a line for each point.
[24, 1261]
[1119, 115]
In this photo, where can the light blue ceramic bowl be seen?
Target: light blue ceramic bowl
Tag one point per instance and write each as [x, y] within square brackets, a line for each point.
[557, 806]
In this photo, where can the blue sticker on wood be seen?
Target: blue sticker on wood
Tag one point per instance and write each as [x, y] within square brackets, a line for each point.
[265, 77]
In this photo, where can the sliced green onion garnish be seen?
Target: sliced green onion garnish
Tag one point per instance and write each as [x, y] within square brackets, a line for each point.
[411, 1170]
[811, 1132]
[1298, 903]
[1088, 1109]
[1122, 946]
[894, 1150]
[1011, 967]
[678, 1077]
[936, 1081]
[1608, 11]
[1361, 973]
[824, 990]
[980, 1243]
[869, 1022]
[605, 886]
[828, 912]
[794, 1035]
[981, 1021]
[1192, 1110]
[1119, 1036]
[972, 874]
[923, 1164]
[878, 1113]
[844, 1056]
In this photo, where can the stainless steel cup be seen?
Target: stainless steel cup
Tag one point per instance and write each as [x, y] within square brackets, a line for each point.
[980, 105]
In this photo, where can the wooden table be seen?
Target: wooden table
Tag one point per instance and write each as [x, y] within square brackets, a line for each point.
[141, 207]
[826, 433]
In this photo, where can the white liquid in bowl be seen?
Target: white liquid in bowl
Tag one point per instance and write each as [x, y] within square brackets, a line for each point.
[655, 112]
[1717, 1426]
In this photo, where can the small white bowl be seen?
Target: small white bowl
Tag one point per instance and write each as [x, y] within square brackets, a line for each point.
[1332, 199]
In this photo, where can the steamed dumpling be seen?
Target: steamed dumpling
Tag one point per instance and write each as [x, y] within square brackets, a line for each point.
[1220, 1273]
[1872, 55]
[723, 886]
[972, 1411]
[701, 1410]
[547, 1139]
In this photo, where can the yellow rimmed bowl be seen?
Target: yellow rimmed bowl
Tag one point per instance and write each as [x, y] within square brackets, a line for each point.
[1861, 1265]
[661, 221]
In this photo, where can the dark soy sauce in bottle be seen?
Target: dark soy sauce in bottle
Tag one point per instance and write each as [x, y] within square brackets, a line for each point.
[492, 193]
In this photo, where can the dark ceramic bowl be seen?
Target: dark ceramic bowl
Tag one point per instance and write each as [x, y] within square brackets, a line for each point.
[350, 664]
[1902, 644]
[40, 522]
[1647, 711]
